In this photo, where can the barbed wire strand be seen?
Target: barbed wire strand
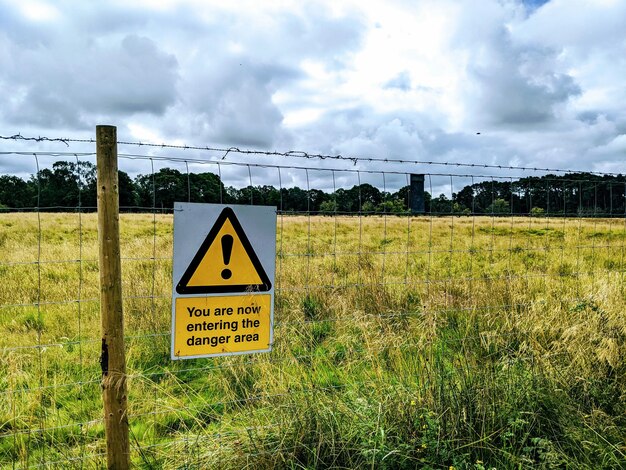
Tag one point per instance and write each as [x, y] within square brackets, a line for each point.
[225, 151]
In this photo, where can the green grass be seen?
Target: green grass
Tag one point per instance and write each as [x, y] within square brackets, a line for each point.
[460, 342]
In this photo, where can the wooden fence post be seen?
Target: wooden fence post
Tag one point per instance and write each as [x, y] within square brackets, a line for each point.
[112, 359]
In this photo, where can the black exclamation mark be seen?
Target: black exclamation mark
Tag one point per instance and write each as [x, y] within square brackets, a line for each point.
[227, 249]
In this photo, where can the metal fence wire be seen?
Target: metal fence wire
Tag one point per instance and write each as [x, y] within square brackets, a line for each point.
[488, 328]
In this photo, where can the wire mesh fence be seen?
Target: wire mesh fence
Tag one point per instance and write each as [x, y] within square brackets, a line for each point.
[488, 328]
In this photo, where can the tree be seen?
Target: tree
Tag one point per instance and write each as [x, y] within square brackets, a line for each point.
[65, 185]
[391, 206]
[328, 207]
[403, 195]
[440, 205]
[129, 197]
[162, 188]
[206, 187]
[499, 206]
[365, 193]
[368, 207]
[343, 200]
[537, 211]
[259, 195]
[295, 199]
[465, 198]
[317, 197]
[15, 193]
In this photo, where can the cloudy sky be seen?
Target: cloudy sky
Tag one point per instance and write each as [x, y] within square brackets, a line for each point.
[510, 82]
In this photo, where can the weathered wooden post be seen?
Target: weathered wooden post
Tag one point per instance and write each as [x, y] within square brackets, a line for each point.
[112, 359]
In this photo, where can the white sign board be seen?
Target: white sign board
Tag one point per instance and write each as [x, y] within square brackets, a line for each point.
[223, 279]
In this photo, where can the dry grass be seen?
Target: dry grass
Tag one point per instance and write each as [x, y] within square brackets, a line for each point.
[399, 343]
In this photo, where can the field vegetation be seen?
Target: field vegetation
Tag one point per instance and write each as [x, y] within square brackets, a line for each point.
[400, 342]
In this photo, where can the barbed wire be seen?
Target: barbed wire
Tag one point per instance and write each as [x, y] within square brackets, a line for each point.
[308, 155]
[39, 139]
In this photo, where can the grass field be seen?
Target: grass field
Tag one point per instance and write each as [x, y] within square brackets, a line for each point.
[451, 342]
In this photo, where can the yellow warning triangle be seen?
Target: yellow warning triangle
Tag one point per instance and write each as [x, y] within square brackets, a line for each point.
[225, 262]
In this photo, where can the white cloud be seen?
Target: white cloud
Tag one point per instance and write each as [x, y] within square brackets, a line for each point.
[37, 11]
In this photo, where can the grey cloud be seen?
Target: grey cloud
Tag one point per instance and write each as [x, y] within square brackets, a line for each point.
[226, 94]
[402, 81]
[244, 113]
[276, 36]
[361, 131]
[334, 34]
[232, 103]
[508, 98]
[63, 88]
[22, 167]
[518, 85]
[43, 108]
[103, 20]
[406, 135]
[140, 78]
[588, 117]
[18, 31]
[84, 69]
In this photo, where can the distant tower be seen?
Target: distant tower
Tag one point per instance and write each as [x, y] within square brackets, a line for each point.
[417, 202]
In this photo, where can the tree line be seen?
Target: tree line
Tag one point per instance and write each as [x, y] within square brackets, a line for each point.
[69, 185]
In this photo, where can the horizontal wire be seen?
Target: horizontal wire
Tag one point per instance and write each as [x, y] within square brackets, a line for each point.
[51, 428]
[251, 399]
[574, 215]
[48, 154]
[77, 261]
[426, 281]
[41, 388]
[300, 154]
[315, 254]
[55, 463]
[48, 303]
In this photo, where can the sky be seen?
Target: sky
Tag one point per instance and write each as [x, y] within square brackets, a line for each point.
[502, 82]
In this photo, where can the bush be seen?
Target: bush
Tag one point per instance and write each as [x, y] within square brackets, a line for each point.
[537, 211]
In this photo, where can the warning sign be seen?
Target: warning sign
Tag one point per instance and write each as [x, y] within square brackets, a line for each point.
[224, 264]
[222, 325]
